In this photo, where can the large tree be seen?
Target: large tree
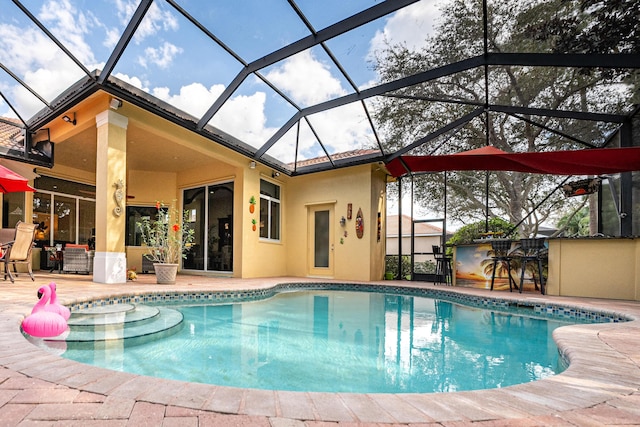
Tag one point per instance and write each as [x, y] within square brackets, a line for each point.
[411, 113]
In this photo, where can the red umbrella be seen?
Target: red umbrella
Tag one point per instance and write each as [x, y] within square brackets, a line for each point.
[596, 161]
[11, 182]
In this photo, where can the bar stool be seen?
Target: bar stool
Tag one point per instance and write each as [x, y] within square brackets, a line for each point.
[531, 251]
[444, 272]
[501, 248]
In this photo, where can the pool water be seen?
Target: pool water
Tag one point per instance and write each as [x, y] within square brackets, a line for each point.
[338, 341]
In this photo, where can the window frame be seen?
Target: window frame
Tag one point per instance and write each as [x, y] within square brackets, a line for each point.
[269, 202]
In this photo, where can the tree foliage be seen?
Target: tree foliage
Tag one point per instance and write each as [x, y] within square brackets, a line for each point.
[410, 114]
[467, 234]
[591, 26]
[575, 223]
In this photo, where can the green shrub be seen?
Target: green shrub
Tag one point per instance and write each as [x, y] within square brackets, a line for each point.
[391, 265]
[470, 232]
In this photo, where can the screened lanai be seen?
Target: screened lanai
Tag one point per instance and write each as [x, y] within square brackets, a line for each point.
[306, 86]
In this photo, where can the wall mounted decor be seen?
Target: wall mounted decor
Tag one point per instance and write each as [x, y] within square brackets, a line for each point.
[349, 209]
[119, 196]
[359, 224]
[252, 204]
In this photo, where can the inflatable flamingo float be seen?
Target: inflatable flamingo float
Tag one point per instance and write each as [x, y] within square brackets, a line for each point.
[54, 306]
[42, 323]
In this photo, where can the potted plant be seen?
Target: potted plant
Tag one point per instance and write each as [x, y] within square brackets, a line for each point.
[167, 240]
[252, 204]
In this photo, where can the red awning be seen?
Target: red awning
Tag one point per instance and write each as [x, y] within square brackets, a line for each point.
[11, 182]
[597, 161]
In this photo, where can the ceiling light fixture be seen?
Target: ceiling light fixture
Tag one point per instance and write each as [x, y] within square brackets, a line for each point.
[252, 165]
[68, 119]
[115, 103]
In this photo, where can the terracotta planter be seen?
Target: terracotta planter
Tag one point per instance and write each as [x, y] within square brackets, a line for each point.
[165, 273]
[252, 208]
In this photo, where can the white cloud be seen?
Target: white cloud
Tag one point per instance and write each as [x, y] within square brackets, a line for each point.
[342, 129]
[194, 99]
[410, 26]
[30, 54]
[112, 36]
[161, 57]
[133, 81]
[70, 26]
[244, 117]
[155, 19]
[241, 116]
[125, 10]
[307, 80]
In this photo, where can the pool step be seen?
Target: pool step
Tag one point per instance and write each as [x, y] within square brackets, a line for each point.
[119, 322]
[109, 315]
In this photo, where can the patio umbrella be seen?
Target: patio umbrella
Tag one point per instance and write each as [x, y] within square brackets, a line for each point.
[11, 182]
[597, 161]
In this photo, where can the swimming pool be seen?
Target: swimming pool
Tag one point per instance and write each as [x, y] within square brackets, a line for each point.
[350, 342]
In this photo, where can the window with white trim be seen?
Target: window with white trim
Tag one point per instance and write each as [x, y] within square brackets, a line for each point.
[269, 210]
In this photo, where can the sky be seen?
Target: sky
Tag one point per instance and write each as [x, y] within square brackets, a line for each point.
[174, 61]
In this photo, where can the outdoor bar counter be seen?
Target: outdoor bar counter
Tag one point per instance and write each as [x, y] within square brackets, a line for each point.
[596, 267]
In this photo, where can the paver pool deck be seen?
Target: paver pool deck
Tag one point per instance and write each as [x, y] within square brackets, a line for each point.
[600, 387]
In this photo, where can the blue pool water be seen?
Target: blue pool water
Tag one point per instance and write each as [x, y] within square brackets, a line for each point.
[339, 341]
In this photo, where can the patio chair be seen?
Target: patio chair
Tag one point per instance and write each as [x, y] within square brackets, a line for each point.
[501, 256]
[444, 272]
[19, 250]
[77, 258]
[147, 265]
[533, 251]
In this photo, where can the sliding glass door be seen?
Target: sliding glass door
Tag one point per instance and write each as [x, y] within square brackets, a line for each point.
[211, 214]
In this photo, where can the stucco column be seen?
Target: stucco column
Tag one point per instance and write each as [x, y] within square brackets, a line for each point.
[110, 262]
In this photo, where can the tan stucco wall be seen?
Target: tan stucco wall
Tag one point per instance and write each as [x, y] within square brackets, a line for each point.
[378, 242]
[354, 258]
[261, 258]
[146, 188]
[598, 268]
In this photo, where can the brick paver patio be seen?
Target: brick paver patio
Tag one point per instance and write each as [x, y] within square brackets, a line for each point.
[601, 386]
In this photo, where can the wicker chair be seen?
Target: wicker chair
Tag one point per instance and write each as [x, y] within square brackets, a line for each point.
[78, 259]
[147, 264]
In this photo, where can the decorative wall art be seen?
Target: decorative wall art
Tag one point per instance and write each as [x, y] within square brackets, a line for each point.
[118, 195]
[359, 224]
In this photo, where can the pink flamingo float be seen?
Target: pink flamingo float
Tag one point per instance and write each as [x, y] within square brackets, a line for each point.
[54, 306]
[42, 323]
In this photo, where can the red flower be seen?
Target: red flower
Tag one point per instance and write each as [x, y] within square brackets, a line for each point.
[176, 228]
[158, 205]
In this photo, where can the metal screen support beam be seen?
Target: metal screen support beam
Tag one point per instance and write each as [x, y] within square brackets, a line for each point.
[626, 186]
[57, 42]
[399, 229]
[580, 60]
[126, 37]
[348, 24]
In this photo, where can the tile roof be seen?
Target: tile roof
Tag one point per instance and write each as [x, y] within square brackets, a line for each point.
[11, 137]
[337, 156]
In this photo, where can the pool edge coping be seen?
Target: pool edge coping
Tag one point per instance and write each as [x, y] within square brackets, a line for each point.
[600, 384]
